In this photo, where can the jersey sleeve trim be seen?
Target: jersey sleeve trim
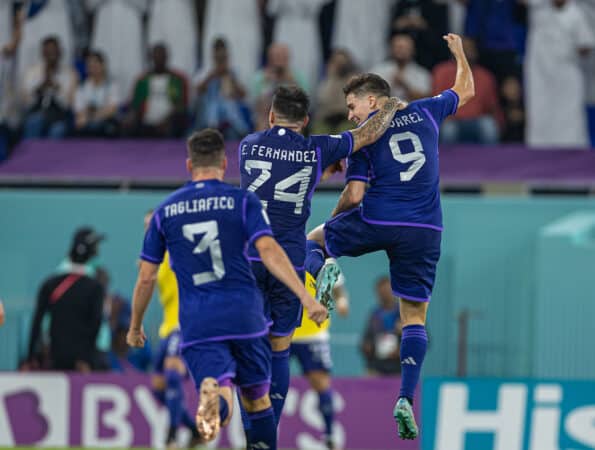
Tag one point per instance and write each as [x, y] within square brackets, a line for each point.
[259, 234]
[456, 97]
[150, 259]
[356, 178]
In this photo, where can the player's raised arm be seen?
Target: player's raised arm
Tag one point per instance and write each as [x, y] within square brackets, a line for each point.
[277, 262]
[464, 85]
[376, 125]
[143, 291]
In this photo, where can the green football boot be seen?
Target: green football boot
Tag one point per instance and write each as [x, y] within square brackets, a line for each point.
[325, 282]
[405, 419]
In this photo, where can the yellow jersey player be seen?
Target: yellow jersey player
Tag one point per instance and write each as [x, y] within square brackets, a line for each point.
[310, 345]
[170, 370]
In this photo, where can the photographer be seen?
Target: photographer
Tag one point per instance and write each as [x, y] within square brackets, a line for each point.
[74, 301]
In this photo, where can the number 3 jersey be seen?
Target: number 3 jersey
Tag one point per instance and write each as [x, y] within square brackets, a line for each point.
[283, 168]
[206, 227]
[402, 166]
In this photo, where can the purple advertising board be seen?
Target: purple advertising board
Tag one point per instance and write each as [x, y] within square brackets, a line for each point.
[59, 410]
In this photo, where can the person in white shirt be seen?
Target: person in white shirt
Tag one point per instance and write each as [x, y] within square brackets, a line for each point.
[174, 22]
[408, 80]
[560, 37]
[96, 101]
[243, 42]
[44, 18]
[48, 94]
[118, 32]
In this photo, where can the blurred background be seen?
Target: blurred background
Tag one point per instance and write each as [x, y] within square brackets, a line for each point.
[96, 97]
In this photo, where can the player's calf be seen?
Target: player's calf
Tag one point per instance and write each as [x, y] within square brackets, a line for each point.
[263, 427]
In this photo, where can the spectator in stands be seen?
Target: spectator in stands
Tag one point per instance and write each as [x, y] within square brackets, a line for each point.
[426, 22]
[9, 42]
[331, 113]
[408, 80]
[493, 25]
[479, 120]
[375, 22]
[514, 111]
[49, 89]
[244, 43]
[276, 72]
[118, 32]
[220, 97]
[96, 101]
[160, 100]
[74, 301]
[296, 25]
[175, 24]
[45, 18]
[380, 345]
[559, 39]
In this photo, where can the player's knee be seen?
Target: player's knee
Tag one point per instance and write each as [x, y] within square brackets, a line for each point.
[317, 234]
[175, 363]
[256, 397]
[413, 313]
[319, 380]
[280, 343]
[158, 382]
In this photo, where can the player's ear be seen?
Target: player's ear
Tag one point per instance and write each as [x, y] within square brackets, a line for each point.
[372, 101]
[271, 118]
[306, 121]
[189, 165]
[224, 163]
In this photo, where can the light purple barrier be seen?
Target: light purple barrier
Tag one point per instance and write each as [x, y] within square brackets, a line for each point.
[57, 410]
[155, 161]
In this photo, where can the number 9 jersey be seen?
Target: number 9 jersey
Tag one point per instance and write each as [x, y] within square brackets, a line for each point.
[283, 168]
[402, 166]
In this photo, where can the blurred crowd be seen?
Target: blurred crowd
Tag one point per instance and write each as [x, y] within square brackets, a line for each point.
[158, 68]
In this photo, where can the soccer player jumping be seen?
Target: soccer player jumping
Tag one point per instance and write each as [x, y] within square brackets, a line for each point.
[205, 226]
[400, 213]
[283, 167]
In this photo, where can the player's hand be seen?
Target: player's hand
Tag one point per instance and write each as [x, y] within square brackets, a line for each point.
[332, 169]
[455, 44]
[136, 337]
[342, 306]
[317, 313]
[1, 313]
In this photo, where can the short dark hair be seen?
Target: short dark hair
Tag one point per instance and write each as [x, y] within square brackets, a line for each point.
[51, 39]
[206, 148]
[367, 83]
[98, 55]
[291, 102]
[219, 43]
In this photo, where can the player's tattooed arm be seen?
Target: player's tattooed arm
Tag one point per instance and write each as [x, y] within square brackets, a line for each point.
[375, 126]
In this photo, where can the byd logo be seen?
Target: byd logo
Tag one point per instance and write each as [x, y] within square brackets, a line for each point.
[523, 416]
